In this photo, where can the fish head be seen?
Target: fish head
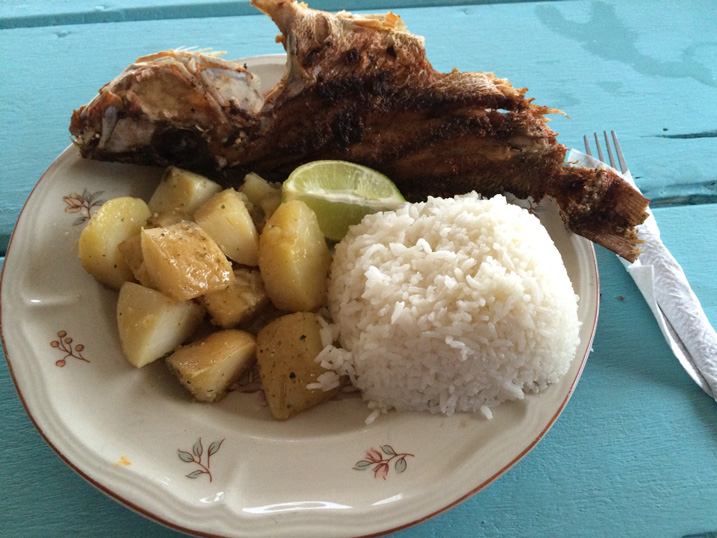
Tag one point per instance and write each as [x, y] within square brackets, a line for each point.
[171, 106]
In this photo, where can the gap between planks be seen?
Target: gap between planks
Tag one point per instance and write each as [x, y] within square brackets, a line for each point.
[98, 14]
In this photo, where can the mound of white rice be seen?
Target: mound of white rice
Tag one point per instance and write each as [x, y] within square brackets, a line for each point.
[450, 305]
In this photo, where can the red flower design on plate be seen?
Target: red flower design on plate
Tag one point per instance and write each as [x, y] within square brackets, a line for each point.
[379, 461]
[82, 203]
[65, 344]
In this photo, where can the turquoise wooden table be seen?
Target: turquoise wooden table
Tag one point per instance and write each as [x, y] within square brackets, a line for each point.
[635, 451]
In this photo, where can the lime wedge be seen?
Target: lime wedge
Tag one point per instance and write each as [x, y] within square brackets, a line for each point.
[341, 193]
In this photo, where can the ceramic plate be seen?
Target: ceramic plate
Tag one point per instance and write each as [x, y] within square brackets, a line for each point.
[228, 469]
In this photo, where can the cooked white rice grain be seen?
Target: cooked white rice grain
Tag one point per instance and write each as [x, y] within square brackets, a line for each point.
[450, 305]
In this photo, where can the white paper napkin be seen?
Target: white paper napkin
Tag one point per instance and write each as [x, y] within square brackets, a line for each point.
[676, 308]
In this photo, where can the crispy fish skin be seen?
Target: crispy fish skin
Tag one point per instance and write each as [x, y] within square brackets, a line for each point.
[383, 105]
[379, 101]
[171, 108]
[360, 88]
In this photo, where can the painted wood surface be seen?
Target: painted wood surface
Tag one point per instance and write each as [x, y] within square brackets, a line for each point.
[15, 14]
[635, 451]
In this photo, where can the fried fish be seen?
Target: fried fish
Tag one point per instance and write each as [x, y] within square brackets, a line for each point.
[356, 88]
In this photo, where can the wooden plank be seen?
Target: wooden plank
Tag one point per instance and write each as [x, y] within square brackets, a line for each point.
[633, 452]
[70, 12]
[65, 12]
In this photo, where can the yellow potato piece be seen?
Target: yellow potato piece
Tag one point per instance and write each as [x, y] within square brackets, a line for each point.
[208, 367]
[226, 219]
[238, 302]
[294, 259]
[152, 324]
[183, 261]
[162, 220]
[181, 191]
[270, 204]
[256, 188]
[131, 249]
[261, 193]
[286, 353]
[114, 222]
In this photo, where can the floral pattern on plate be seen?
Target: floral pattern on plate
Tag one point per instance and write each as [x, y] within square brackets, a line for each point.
[66, 345]
[380, 461]
[83, 204]
[196, 456]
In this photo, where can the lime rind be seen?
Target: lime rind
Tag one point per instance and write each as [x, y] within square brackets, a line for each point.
[341, 193]
[349, 198]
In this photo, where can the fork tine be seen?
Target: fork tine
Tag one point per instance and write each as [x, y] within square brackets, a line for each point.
[587, 145]
[611, 157]
[609, 150]
[620, 156]
[599, 149]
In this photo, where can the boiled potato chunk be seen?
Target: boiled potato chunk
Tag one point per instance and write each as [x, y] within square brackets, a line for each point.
[270, 204]
[256, 188]
[131, 249]
[182, 191]
[238, 302]
[117, 220]
[262, 318]
[294, 258]
[151, 324]
[167, 218]
[208, 367]
[183, 261]
[226, 219]
[261, 193]
[286, 353]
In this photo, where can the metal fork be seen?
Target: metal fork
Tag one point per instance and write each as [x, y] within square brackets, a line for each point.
[670, 307]
[611, 158]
